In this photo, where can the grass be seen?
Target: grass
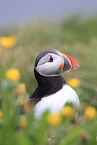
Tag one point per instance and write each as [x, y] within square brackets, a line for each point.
[75, 37]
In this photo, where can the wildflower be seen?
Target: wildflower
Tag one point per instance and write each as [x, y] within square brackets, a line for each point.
[54, 119]
[23, 123]
[26, 106]
[13, 74]
[21, 89]
[8, 41]
[1, 113]
[73, 82]
[90, 113]
[67, 112]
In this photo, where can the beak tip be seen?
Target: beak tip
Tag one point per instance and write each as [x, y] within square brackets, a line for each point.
[72, 62]
[76, 66]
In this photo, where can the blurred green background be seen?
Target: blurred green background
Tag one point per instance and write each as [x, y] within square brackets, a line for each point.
[73, 36]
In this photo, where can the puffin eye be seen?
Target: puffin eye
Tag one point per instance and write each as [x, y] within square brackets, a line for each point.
[51, 59]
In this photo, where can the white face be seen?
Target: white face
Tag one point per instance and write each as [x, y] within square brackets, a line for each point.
[49, 64]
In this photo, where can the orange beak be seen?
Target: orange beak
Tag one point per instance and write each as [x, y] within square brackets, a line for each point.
[69, 63]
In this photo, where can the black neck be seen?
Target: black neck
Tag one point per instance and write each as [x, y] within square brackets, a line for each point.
[47, 85]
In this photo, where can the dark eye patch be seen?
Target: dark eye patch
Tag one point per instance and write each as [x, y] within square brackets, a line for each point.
[51, 59]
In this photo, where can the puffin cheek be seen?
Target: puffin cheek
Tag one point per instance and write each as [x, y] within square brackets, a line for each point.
[47, 69]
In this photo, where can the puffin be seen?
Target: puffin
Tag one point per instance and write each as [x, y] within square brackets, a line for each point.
[52, 92]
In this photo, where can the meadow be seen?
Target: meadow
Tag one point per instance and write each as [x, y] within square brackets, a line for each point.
[19, 47]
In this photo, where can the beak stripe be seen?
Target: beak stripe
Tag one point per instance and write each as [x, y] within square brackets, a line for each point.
[69, 63]
[74, 63]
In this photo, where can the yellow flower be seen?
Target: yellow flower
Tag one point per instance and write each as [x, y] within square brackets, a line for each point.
[13, 74]
[73, 82]
[90, 113]
[26, 106]
[21, 88]
[8, 41]
[23, 123]
[1, 113]
[54, 119]
[67, 112]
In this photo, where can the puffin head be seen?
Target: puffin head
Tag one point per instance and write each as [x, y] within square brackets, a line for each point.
[51, 62]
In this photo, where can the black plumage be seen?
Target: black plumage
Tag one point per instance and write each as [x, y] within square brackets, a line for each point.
[46, 86]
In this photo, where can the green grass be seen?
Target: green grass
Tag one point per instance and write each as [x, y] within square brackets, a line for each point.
[75, 37]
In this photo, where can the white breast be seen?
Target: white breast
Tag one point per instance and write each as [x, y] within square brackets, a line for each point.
[55, 102]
